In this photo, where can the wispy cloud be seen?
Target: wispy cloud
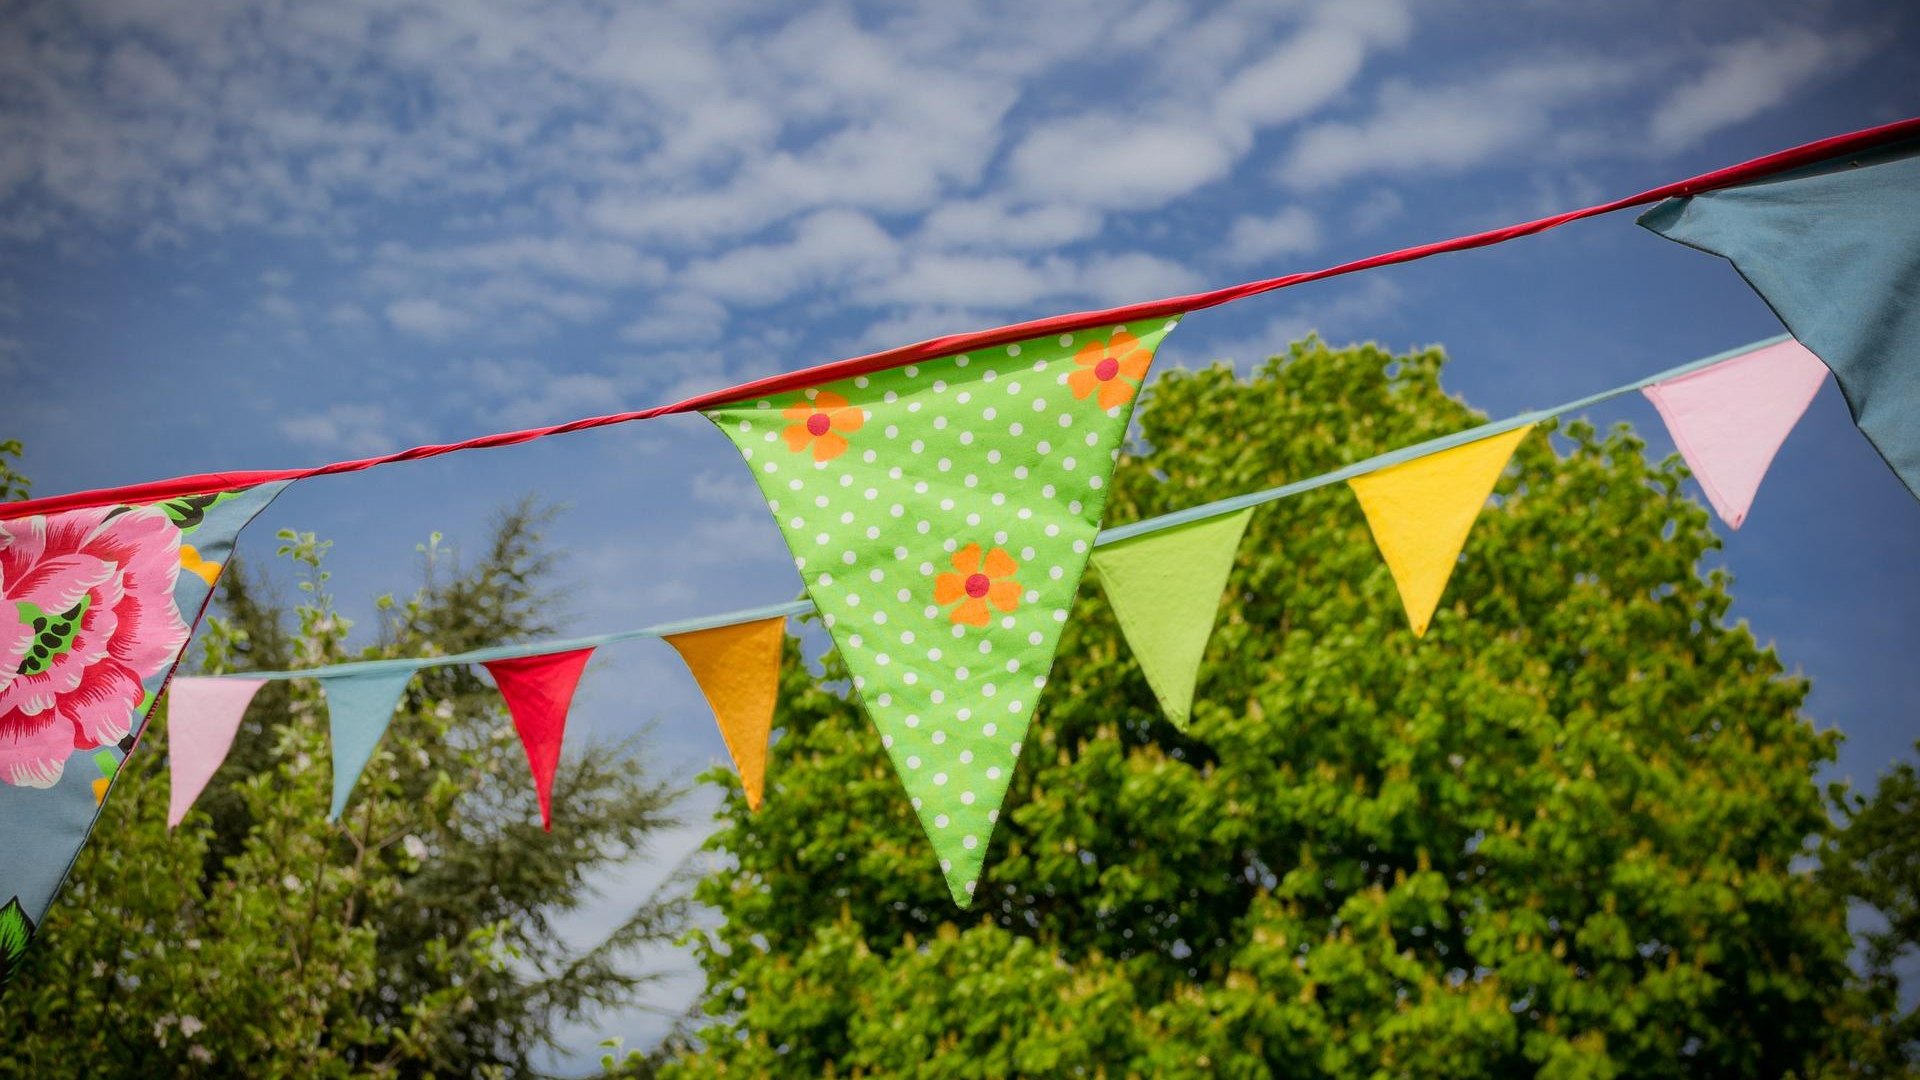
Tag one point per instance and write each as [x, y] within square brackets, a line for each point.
[1447, 127]
[1748, 78]
[360, 429]
[426, 317]
[1256, 238]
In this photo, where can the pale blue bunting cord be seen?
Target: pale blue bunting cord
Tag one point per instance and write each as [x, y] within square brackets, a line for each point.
[1108, 536]
[1408, 453]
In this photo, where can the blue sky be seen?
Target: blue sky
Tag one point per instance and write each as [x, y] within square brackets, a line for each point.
[247, 235]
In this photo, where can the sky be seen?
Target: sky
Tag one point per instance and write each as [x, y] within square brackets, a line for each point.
[237, 234]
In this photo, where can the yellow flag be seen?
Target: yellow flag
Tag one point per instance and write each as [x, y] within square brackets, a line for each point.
[738, 669]
[1421, 511]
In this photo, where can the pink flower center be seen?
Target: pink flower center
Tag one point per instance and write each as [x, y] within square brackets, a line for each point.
[1106, 369]
[818, 424]
[978, 585]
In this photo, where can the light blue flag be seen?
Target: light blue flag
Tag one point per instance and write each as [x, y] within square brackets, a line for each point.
[1834, 249]
[359, 708]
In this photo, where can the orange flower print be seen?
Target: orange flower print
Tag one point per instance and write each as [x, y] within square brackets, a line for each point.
[979, 582]
[823, 424]
[1115, 367]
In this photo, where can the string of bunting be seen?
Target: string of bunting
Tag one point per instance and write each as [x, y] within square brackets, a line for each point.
[1162, 576]
[942, 501]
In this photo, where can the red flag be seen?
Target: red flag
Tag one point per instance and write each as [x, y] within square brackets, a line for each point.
[538, 691]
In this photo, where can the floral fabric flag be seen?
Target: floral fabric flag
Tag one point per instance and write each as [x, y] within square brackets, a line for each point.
[1729, 419]
[539, 691]
[941, 514]
[738, 669]
[1165, 589]
[1834, 249]
[1421, 511]
[96, 607]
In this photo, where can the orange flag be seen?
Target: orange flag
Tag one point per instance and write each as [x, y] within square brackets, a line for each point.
[738, 669]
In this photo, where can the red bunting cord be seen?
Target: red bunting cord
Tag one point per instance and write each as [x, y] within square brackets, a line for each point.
[1745, 172]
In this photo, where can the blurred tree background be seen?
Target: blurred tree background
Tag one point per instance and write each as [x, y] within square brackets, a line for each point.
[415, 937]
[1573, 832]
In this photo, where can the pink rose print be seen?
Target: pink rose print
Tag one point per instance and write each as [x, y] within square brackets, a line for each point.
[86, 615]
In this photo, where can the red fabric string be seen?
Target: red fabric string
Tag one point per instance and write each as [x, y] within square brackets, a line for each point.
[932, 348]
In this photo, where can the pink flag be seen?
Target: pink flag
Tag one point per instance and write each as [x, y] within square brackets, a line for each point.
[538, 691]
[202, 715]
[1730, 419]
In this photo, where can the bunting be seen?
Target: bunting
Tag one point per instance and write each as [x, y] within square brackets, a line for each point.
[1834, 249]
[1165, 589]
[1421, 512]
[359, 708]
[1730, 419]
[539, 691]
[738, 669]
[941, 514]
[96, 607]
[202, 717]
[941, 501]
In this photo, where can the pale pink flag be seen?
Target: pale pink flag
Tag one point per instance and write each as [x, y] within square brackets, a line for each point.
[202, 715]
[1730, 419]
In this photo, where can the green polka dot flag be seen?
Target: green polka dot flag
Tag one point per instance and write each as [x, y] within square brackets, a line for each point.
[941, 514]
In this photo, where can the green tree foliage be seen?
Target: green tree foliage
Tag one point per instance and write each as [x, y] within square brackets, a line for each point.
[1563, 835]
[415, 937]
[1876, 862]
[13, 486]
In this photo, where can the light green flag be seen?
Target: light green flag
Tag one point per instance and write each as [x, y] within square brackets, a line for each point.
[941, 514]
[1165, 589]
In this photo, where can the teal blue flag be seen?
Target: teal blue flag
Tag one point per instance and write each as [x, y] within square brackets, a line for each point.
[1834, 248]
[359, 708]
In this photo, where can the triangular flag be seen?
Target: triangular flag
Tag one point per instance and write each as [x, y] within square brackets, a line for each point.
[97, 604]
[538, 691]
[1834, 249]
[738, 669]
[202, 715]
[1421, 511]
[941, 514]
[1165, 590]
[1729, 419]
[359, 708]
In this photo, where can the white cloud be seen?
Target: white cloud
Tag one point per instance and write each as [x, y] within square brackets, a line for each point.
[586, 261]
[1252, 238]
[523, 393]
[1158, 150]
[1435, 128]
[1746, 79]
[826, 249]
[1379, 207]
[1130, 276]
[427, 318]
[678, 318]
[360, 429]
[993, 226]
[1118, 163]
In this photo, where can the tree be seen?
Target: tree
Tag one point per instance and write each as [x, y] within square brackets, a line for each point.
[13, 486]
[1875, 861]
[415, 937]
[1563, 835]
